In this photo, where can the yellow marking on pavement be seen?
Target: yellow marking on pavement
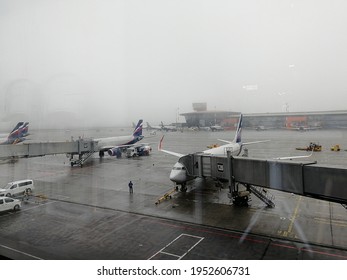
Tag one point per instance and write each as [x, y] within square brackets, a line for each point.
[288, 232]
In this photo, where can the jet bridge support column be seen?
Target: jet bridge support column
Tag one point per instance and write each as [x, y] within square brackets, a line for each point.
[85, 151]
[231, 177]
[239, 197]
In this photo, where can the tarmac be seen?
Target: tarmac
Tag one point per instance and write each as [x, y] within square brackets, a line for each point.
[88, 213]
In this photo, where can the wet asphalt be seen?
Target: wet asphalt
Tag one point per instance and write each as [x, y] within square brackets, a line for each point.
[88, 213]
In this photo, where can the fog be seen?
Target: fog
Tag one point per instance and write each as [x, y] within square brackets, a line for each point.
[71, 63]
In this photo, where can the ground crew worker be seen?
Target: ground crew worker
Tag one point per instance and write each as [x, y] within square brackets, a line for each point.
[130, 187]
[26, 194]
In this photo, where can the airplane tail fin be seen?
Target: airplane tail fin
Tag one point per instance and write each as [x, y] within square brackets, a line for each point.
[237, 138]
[18, 133]
[161, 143]
[16, 127]
[25, 130]
[138, 129]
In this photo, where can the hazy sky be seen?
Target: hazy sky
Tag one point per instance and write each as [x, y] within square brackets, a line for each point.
[98, 62]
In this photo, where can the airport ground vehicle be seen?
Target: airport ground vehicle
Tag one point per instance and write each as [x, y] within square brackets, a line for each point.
[335, 148]
[131, 152]
[312, 147]
[142, 150]
[8, 203]
[17, 188]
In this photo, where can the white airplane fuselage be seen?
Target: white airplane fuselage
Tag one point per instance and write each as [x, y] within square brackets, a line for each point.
[234, 148]
[105, 143]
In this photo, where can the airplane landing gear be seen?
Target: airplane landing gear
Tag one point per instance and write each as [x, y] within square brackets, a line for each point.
[240, 197]
[240, 200]
[183, 188]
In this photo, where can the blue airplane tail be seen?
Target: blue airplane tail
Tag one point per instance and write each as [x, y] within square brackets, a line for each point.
[138, 129]
[25, 130]
[18, 133]
[16, 127]
[237, 138]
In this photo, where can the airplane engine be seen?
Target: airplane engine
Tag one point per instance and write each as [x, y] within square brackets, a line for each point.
[115, 152]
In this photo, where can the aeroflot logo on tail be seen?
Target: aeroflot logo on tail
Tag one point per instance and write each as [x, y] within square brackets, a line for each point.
[138, 129]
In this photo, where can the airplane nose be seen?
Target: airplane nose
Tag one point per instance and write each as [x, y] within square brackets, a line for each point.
[178, 176]
[178, 173]
[173, 176]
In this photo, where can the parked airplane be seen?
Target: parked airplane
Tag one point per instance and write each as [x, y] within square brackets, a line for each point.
[162, 127]
[179, 173]
[207, 128]
[114, 145]
[17, 135]
[168, 127]
[154, 127]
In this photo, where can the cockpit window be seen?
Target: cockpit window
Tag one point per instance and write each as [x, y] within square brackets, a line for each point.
[179, 168]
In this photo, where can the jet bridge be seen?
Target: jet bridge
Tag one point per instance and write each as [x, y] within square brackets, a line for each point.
[250, 175]
[83, 148]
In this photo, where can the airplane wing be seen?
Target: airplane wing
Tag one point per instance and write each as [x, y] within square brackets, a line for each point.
[255, 142]
[168, 152]
[225, 141]
[247, 143]
[295, 157]
[172, 153]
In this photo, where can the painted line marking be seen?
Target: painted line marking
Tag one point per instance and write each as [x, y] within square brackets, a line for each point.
[36, 206]
[21, 252]
[288, 232]
[179, 257]
[166, 253]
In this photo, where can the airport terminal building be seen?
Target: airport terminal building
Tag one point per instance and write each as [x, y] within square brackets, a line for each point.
[227, 119]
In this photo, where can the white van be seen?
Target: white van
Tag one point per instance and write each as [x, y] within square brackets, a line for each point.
[17, 188]
[8, 203]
